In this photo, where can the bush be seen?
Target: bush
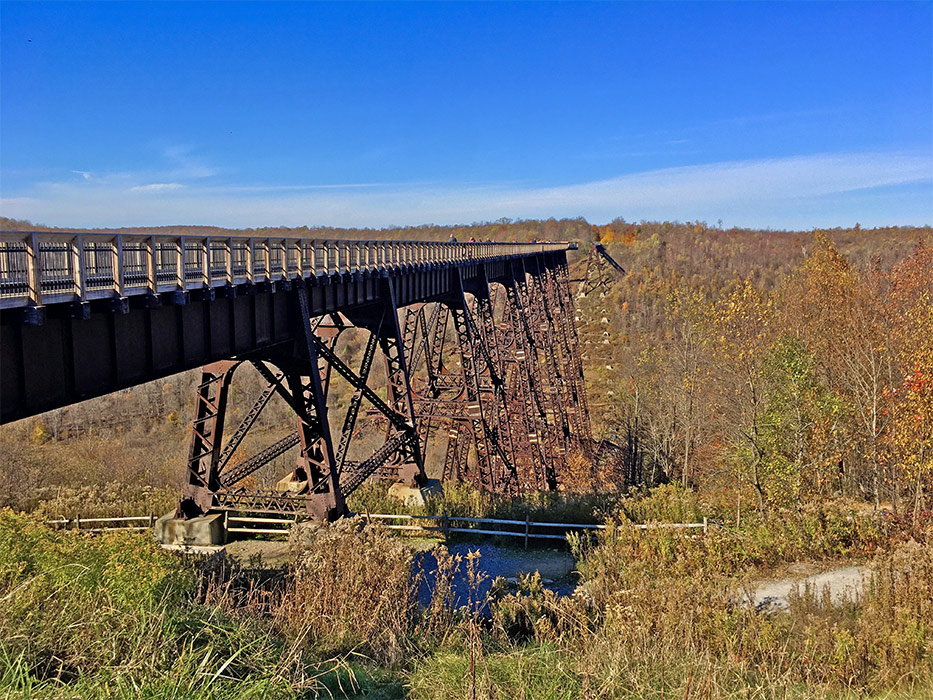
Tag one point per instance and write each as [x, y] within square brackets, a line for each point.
[350, 590]
[72, 605]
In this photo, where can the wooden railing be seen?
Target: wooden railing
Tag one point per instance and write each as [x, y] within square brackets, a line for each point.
[39, 268]
[443, 525]
[105, 524]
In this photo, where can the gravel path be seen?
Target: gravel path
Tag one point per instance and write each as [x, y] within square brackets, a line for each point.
[844, 584]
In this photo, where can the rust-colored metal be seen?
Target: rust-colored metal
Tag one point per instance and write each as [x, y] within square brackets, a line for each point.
[487, 377]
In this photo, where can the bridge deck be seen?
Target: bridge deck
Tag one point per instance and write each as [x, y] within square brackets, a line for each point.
[84, 314]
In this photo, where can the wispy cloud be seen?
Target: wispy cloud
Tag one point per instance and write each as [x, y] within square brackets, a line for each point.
[157, 187]
[804, 191]
[184, 164]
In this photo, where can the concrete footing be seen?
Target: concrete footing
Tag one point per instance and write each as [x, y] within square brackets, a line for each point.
[204, 531]
[414, 496]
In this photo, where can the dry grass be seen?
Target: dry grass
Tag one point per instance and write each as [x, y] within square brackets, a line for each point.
[659, 615]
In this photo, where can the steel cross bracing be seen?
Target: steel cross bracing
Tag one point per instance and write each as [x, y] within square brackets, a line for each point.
[485, 377]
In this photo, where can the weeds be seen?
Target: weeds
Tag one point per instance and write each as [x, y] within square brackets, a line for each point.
[658, 614]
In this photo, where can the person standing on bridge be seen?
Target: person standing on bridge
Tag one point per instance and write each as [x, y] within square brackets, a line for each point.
[452, 239]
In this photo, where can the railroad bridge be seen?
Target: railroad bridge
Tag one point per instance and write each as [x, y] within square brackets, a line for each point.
[477, 339]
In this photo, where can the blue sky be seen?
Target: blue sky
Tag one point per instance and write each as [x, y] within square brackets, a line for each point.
[249, 114]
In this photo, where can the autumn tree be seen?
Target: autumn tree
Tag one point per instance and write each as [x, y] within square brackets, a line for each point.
[838, 312]
[910, 309]
[741, 326]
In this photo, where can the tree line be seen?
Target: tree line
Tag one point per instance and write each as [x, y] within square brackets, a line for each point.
[771, 360]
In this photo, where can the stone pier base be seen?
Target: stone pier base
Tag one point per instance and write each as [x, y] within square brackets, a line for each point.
[414, 496]
[204, 531]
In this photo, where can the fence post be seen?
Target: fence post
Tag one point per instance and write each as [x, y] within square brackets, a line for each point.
[78, 523]
[151, 520]
[77, 251]
[446, 526]
[527, 526]
[705, 525]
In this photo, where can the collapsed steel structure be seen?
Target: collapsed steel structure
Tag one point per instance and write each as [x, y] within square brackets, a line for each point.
[491, 367]
[598, 275]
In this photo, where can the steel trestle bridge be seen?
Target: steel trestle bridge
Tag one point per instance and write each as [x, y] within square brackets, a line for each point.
[477, 340]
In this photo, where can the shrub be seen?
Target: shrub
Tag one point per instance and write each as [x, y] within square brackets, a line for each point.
[72, 604]
[350, 590]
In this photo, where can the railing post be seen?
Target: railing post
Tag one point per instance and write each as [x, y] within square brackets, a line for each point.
[299, 263]
[527, 528]
[267, 265]
[228, 260]
[180, 263]
[250, 256]
[77, 267]
[207, 264]
[116, 250]
[283, 259]
[152, 280]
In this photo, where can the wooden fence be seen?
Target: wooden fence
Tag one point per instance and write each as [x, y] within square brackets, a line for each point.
[443, 525]
[105, 524]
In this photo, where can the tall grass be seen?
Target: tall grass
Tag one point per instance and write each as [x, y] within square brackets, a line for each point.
[658, 614]
[662, 614]
[465, 500]
[116, 616]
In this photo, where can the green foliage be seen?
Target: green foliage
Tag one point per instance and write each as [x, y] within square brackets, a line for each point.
[800, 425]
[71, 605]
[666, 503]
[543, 672]
[114, 615]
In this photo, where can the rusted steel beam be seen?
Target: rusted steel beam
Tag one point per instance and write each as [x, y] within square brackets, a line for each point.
[353, 410]
[510, 386]
[234, 442]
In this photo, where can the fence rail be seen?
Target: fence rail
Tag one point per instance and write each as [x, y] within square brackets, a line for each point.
[526, 531]
[104, 524]
[442, 524]
[41, 267]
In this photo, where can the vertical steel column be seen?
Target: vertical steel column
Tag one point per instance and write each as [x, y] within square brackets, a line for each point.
[548, 337]
[206, 436]
[408, 462]
[561, 280]
[526, 352]
[316, 455]
[502, 428]
[486, 476]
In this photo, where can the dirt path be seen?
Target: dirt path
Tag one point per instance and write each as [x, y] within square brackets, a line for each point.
[844, 583]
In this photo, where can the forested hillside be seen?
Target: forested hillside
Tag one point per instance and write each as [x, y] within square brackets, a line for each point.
[797, 365]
